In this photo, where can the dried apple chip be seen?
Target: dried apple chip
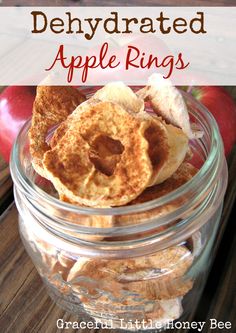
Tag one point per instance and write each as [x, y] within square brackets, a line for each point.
[88, 220]
[52, 105]
[184, 173]
[157, 277]
[65, 125]
[75, 164]
[168, 146]
[157, 313]
[178, 148]
[118, 92]
[168, 103]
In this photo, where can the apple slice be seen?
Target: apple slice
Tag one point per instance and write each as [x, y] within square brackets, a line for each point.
[168, 103]
[118, 92]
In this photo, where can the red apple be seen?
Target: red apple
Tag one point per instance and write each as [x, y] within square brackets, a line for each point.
[15, 108]
[222, 106]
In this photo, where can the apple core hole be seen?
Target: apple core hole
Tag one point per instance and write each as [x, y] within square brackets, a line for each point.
[105, 153]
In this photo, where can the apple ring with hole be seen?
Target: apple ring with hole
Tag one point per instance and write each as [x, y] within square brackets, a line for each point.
[118, 92]
[74, 164]
[154, 277]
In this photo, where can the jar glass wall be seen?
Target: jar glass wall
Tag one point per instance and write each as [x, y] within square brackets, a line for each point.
[146, 262]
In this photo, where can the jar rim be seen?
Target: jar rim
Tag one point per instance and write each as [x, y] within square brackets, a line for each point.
[32, 189]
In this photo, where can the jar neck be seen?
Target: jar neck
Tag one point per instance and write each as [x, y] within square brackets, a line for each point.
[146, 227]
[142, 239]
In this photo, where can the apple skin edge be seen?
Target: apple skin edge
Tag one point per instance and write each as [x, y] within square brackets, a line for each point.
[222, 106]
[16, 104]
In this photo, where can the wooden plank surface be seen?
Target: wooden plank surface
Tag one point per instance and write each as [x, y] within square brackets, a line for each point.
[223, 304]
[218, 298]
[5, 181]
[5, 185]
[4, 171]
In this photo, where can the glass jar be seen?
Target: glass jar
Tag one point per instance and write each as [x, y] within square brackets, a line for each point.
[136, 267]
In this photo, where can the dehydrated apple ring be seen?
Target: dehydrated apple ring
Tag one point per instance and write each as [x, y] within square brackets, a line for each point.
[178, 148]
[75, 167]
[168, 146]
[65, 125]
[168, 103]
[158, 312]
[158, 276]
[88, 220]
[52, 105]
[118, 92]
[183, 174]
[166, 154]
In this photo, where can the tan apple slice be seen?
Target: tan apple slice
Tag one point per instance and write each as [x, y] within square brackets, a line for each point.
[178, 148]
[70, 120]
[52, 105]
[156, 314]
[75, 165]
[155, 277]
[168, 146]
[168, 103]
[118, 92]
